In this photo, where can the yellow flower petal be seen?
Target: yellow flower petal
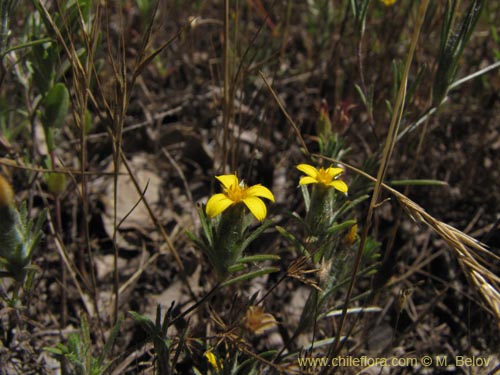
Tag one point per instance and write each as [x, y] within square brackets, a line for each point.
[308, 170]
[351, 236]
[228, 180]
[256, 207]
[216, 204]
[339, 185]
[212, 359]
[260, 191]
[334, 171]
[307, 180]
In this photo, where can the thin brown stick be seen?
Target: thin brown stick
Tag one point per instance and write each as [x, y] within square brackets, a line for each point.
[285, 113]
[389, 147]
[158, 225]
[226, 100]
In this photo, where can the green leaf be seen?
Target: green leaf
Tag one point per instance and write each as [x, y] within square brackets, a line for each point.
[235, 268]
[291, 237]
[258, 258]
[180, 346]
[145, 323]
[452, 45]
[349, 205]
[255, 234]
[248, 365]
[56, 105]
[25, 45]
[306, 196]
[207, 227]
[110, 341]
[85, 7]
[359, 8]
[250, 275]
[43, 65]
[361, 94]
[192, 237]
[344, 225]
[418, 183]
[85, 331]
[55, 351]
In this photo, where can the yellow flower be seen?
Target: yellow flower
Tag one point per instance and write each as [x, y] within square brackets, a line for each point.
[388, 2]
[213, 360]
[236, 192]
[326, 177]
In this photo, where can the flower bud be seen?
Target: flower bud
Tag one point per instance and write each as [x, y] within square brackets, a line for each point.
[12, 248]
[6, 193]
[56, 183]
[351, 236]
[19, 235]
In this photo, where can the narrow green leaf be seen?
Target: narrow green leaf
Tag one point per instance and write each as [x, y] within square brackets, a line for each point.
[250, 275]
[306, 196]
[347, 206]
[110, 341]
[55, 351]
[235, 268]
[207, 227]
[418, 183]
[344, 225]
[144, 322]
[258, 258]
[361, 95]
[56, 105]
[85, 330]
[31, 43]
[180, 346]
[452, 45]
[256, 233]
[291, 237]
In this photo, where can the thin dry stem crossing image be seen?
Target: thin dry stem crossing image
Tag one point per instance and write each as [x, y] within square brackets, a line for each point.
[249, 187]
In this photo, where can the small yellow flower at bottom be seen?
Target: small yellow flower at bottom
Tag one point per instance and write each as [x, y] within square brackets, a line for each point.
[327, 177]
[388, 2]
[213, 360]
[351, 236]
[6, 193]
[237, 192]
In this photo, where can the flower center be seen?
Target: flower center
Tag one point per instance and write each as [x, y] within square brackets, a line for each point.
[236, 192]
[323, 177]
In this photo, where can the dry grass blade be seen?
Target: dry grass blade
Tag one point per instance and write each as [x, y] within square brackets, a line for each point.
[470, 252]
[72, 270]
[285, 113]
[160, 227]
[490, 293]
[390, 142]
